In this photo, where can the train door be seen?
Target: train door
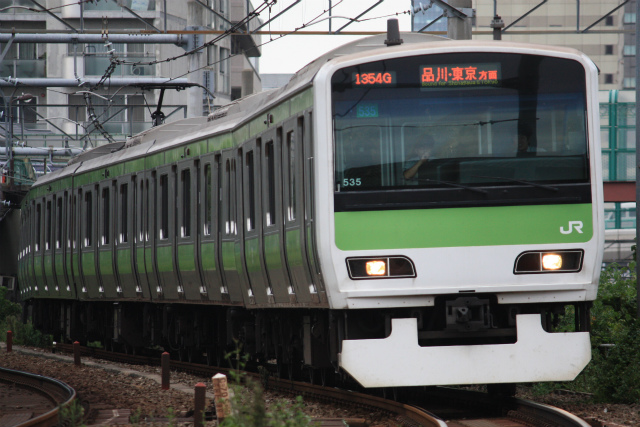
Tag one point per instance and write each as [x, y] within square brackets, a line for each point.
[47, 258]
[228, 217]
[305, 123]
[187, 253]
[164, 249]
[252, 255]
[293, 208]
[272, 219]
[58, 243]
[38, 226]
[67, 242]
[91, 286]
[105, 248]
[152, 220]
[209, 259]
[123, 220]
[140, 234]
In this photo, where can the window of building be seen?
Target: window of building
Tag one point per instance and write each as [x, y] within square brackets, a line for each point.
[224, 71]
[629, 50]
[608, 78]
[629, 83]
[629, 18]
[608, 49]
[608, 21]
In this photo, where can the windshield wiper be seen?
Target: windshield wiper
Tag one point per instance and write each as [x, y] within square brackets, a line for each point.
[519, 181]
[451, 184]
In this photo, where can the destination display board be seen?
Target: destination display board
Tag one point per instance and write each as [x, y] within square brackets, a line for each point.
[456, 75]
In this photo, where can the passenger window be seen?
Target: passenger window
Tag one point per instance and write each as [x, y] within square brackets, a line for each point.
[208, 208]
[106, 219]
[185, 229]
[251, 211]
[59, 223]
[47, 230]
[270, 184]
[164, 207]
[124, 218]
[38, 226]
[291, 185]
[88, 219]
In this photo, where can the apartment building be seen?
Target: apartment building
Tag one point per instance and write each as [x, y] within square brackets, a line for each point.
[223, 70]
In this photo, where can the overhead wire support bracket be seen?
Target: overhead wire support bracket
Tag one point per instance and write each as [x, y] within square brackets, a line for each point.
[6, 48]
[275, 17]
[431, 23]
[524, 16]
[44, 9]
[604, 17]
[449, 11]
[356, 18]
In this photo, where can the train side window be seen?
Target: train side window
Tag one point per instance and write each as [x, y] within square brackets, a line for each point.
[140, 204]
[124, 218]
[146, 211]
[47, 229]
[251, 211]
[88, 216]
[185, 228]
[270, 211]
[164, 207]
[71, 234]
[106, 210]
[59, 223]
[208, 208]
[38, 226]
[291, 160]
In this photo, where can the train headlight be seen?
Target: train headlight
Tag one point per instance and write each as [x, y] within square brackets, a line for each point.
[376, 268]
[385, 267]
[551, 262]
[564, 261]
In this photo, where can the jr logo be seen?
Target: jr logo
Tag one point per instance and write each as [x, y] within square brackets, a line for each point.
[577, 225]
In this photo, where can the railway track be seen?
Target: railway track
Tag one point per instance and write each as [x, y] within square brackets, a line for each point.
[429, 407]
[29, 400]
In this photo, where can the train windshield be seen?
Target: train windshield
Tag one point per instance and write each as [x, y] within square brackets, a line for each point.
[460, 121]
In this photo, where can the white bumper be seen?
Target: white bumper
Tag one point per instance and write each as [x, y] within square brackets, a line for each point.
[399, 361]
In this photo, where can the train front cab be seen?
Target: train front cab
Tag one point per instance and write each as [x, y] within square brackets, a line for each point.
[479, 204]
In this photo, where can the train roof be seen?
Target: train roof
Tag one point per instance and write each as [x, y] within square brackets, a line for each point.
[224, 119]
[238, 112]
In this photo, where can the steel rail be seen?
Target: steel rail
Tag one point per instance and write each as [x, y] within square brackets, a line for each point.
[519, 410]
[58, 392]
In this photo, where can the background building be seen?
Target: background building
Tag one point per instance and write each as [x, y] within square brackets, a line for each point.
[224, 70]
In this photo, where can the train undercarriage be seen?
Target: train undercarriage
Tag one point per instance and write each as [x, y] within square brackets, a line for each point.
[296, 343]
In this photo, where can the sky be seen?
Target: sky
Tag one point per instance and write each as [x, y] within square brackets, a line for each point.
[292, 52]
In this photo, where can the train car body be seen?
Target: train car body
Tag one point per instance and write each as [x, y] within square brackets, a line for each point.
[413, 215]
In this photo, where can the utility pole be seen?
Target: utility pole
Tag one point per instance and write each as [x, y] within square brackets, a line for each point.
[459, 28]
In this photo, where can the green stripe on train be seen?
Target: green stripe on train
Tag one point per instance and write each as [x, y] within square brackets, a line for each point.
[186, 257]
[455, 227]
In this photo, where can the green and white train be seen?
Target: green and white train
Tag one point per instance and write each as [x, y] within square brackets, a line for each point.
[417, 214]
